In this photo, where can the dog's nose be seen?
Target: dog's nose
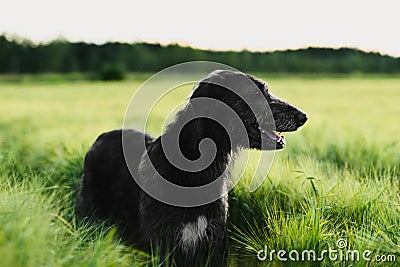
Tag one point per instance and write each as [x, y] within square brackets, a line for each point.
[301, 118]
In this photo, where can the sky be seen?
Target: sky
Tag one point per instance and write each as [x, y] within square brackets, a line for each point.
[211, 24]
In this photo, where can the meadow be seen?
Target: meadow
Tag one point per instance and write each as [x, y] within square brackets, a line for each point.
[337, 178]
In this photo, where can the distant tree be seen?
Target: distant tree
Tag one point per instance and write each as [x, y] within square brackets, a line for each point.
[111, 72]
[114, 59]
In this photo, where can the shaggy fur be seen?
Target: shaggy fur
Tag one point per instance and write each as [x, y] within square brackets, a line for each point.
[186, 236]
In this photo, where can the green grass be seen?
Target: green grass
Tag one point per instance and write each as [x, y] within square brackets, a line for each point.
[338, 177]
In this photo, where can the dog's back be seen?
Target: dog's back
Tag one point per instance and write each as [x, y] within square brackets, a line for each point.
[107, 189]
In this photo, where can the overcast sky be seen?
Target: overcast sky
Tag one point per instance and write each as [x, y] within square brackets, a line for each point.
[222, 25]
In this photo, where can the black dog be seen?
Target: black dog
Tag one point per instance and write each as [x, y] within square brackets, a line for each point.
[185, 236]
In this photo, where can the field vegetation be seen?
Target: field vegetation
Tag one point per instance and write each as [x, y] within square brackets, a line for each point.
[337, 178]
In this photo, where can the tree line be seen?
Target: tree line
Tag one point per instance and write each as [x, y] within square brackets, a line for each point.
[63, 57]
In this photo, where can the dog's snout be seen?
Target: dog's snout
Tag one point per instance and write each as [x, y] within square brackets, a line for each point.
[301, 118]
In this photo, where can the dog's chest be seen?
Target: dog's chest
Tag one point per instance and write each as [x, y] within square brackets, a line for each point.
[193, 233]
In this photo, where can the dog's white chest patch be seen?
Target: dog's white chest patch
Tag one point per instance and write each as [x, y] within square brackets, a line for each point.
[192, 233]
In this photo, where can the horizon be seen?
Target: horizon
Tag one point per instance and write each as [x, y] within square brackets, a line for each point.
[20, 40]
[256, 26]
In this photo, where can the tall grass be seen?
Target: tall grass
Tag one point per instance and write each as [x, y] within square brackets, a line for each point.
[37, 226]
[337, 178]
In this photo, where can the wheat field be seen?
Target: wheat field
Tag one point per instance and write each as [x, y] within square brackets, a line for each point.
[337, 178]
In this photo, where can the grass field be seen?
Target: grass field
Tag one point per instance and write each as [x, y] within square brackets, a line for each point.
[338, 177]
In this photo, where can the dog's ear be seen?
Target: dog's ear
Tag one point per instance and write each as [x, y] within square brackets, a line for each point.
[200, 90]
[222, 87]
[206, 91]
[213, 86]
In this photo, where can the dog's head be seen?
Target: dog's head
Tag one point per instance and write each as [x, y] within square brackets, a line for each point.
[262, 113]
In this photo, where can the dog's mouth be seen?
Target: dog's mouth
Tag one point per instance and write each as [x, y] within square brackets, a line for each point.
[265, 139]
[274, 137]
